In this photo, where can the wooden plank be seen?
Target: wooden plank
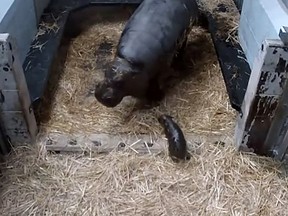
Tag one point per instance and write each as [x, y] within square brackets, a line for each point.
[103, 143]
[15, 112]
[261, 122]
[24, 95]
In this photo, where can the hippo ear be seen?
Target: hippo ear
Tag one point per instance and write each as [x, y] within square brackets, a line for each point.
[117, 77]
[161, 118]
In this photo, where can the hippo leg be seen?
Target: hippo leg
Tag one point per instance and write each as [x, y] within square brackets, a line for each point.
[154, 94]
[179, 55]
[181, 50]
[167, 76]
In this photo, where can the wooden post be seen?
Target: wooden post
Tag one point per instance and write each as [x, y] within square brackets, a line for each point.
[16, 114]
[262, 125]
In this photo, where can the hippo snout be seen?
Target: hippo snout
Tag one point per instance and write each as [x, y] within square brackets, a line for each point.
[108, 96]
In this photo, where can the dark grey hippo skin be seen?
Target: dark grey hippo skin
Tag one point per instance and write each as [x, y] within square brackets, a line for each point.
[153, 36]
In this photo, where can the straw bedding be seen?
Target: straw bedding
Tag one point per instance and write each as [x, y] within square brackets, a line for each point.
[216, 181]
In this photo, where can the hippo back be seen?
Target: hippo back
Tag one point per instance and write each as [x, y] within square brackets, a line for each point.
[153, 29]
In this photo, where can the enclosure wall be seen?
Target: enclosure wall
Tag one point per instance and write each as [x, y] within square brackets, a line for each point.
[260, 20]
[20, 18]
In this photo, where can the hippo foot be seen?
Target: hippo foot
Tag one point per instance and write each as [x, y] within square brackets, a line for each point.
[148, 104]
[156, 97]
[179, 63]
[166, 78]
[170, 82]
[152, 104]
[179, 56]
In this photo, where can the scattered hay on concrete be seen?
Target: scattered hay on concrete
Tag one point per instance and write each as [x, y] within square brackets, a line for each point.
[217, 181]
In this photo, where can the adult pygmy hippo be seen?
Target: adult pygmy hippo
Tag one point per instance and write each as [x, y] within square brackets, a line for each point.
[153, 35]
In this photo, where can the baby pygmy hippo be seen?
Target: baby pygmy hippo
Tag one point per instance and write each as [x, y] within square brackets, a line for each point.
[176, 140]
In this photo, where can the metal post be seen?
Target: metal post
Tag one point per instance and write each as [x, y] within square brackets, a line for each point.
[16, 115]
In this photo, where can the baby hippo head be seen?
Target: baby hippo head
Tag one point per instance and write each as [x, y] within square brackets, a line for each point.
[108, 95]
[164, 119]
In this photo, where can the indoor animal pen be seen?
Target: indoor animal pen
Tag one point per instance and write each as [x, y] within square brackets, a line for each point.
[74, 43]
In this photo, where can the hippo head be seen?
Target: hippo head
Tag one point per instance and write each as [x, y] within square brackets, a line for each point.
[108, 95]
[122, 79]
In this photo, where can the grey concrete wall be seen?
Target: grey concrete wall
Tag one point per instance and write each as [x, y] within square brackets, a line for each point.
[5, 5]
[20, 22]
[20, 19]
[260, 20]
[40, 5]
